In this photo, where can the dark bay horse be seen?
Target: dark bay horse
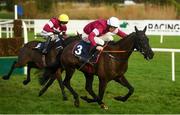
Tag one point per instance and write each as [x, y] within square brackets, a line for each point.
[34, 59]
[111, 66]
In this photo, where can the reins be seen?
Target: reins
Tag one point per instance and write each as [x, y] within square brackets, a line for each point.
[114, 51]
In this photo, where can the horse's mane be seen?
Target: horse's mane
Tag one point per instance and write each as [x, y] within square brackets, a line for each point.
[71, 39]
[129, 36]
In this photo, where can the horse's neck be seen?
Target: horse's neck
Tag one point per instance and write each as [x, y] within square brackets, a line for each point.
[126, 43]
[70, 39]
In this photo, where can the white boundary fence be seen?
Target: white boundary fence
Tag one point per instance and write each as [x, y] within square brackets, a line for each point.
[9, 29]
[154, 27]
[173, 51]
[7, 25]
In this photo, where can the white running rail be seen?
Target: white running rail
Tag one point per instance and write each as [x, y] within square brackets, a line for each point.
[8, 27]
[173, 51]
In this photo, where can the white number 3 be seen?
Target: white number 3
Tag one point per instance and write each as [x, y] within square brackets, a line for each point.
[78, 50]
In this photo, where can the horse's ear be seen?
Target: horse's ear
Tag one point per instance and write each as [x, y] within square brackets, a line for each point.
[144, 30]
[79, 35]
[136, 29]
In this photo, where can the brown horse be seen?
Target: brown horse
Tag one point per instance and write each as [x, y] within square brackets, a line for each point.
[111, 66]
[34, 59]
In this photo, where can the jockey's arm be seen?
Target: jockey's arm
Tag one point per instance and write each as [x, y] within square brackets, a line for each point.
[49, 27]
[91, 38]
[120, 33]
[64, 34]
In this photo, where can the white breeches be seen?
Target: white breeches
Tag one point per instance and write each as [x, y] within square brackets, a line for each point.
[99, 40]
[47, 34]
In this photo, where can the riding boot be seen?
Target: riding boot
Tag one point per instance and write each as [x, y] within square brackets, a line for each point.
[45, 50]
[38, 47]
[93, 51]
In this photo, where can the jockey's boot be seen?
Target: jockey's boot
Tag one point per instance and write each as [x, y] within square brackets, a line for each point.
[38, 47]
[93, 52]
[84, 60]
[59, 44]
[45, 50]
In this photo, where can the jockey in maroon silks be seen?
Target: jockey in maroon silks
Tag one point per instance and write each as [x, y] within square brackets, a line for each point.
[96, 32]
[54, 27]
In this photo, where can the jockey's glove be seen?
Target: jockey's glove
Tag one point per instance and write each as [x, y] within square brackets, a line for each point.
[56, 32]
[99, 48]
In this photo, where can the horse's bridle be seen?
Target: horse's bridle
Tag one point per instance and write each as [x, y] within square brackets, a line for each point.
[137, 46]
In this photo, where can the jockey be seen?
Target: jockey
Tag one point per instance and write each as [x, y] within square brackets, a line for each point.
[54, 26]
[96, 32]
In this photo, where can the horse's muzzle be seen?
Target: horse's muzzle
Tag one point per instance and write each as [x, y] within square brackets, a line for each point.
[150, 55]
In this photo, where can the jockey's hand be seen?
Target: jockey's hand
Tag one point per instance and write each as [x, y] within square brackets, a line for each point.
[56, 32]
[65, 36]
[99, 48]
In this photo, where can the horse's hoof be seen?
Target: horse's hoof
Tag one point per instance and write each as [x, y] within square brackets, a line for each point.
[76, 103]
[25, 82]
[120, 98]
[103, 106]
[5, 77]
[85, 98]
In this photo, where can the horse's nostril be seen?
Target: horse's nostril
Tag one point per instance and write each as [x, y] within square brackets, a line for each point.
[152, 55]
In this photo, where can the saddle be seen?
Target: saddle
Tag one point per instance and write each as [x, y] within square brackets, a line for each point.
[58, 46]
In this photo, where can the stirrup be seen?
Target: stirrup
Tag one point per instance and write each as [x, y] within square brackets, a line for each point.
[44, 51]
[84, 60]
[36, 48]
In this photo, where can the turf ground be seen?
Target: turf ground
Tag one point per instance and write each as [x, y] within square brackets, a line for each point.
[155, 93]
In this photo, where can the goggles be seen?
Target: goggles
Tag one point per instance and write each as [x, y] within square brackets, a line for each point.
[112, 27]
[62, 22]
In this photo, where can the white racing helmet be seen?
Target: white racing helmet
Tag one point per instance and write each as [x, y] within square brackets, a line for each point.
[113, 21]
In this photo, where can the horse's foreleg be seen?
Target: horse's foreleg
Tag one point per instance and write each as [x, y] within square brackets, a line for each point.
[28, 79]
[6, 77]
[59, 79]
[102, 87]
[66, 82]
[89, 89]
[123, 81]
[46, 86]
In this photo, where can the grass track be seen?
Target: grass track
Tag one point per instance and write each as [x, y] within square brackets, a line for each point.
[155, 93]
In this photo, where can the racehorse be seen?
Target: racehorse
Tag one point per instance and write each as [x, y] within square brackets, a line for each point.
[35, 59]
[110, 66]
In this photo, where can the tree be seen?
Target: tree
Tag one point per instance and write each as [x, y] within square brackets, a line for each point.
[43, 5]
[9, 5]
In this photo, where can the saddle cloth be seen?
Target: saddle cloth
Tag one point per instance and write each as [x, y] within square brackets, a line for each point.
[58, 45]
[84, 53]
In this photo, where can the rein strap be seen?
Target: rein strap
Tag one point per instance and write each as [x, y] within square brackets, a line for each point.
[121, 51]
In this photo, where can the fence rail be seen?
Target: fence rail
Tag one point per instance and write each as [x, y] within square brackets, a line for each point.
[173, 51]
